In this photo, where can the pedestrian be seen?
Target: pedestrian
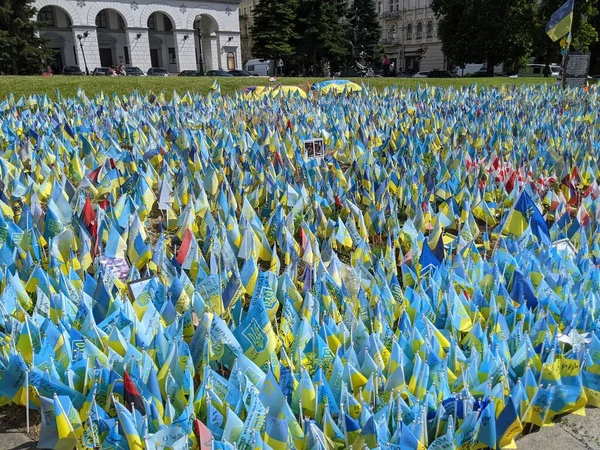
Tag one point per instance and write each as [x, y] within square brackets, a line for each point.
[392, 69]
[280, 67]
[386, 66]
[122, 69]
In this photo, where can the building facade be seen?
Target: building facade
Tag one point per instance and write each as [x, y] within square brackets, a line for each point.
[176, 35]
[409, 35]
[246, 8]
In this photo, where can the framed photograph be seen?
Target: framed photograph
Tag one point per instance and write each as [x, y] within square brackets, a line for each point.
[319, 148]
[309, 148]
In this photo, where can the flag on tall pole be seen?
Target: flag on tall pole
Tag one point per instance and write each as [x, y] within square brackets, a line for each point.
[561, 21]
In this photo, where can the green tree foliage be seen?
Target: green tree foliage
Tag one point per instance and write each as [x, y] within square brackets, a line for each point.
[365, 30]
[584, 31]
[273, 34]
[321, 32]
[486, 30]
[21, 51]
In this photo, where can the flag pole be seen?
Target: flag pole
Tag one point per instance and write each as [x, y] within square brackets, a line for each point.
[27, 397]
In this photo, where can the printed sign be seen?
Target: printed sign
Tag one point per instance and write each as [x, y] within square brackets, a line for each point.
[577, 66]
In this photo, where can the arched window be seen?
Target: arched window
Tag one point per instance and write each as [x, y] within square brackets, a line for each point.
[429, 29]
[46, 15]
[102, 19]
[409, 32]
[419, 30]
[230, 61]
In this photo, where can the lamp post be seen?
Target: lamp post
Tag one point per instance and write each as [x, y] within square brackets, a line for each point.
[80, 38]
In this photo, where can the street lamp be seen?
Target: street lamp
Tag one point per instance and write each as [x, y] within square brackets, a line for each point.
[80, 37]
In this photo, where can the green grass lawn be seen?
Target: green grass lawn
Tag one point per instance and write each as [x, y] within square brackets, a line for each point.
[22, 85]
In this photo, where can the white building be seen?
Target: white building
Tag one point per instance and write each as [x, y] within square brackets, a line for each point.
[409, 35]
[174, 34]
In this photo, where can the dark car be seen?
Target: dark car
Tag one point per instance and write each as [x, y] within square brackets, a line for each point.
[100, 71]
[158, 72]
[439, 74]
[218, 73]
[72, 70]
[240, 73]
[189, 73]
[134, 72]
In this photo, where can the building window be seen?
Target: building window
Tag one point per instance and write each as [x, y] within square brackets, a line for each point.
[230, 61]
[171, 55]
[398, 5]
[126, 51]
[151, 22]
[102, 20]
[419, 30]
[69, 23]
[392, 33]
[379, 8]
[409, 32]
[121, 22]
[168, 24]
[46, 15]
[429, 29]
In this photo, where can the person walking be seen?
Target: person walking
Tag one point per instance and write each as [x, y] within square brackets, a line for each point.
[386, 66]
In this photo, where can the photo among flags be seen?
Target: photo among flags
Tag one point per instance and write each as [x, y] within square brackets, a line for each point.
[181, 273]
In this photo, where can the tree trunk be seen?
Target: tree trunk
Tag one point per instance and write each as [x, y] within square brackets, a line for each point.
[14, 60]
[490, 67]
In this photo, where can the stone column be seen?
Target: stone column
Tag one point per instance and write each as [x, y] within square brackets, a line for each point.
[210, 52]
[139, 48]
[90, 47]
[185, 49]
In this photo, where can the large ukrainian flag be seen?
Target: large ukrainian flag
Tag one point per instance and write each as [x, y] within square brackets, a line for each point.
[561, 21]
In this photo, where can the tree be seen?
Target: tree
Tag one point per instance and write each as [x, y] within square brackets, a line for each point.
[584, 30]
[321, 33]
[486, 30]
[273, 34]
[365, 30]
[21, 51]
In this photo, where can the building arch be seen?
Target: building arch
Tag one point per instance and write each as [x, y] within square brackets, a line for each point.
[120, 8]
[198, 12]
[67, 7]
[167, 11]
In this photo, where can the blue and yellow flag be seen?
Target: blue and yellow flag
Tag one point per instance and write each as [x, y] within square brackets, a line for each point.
[561, 21]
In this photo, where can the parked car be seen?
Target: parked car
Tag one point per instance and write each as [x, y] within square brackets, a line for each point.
[439, 74]
[240, 73]
[134, 72]
[259, 67]
[72, 70]
[189, 73]
[538, 70]
[100, 71]
[421, 75]
[218, 73]
[157, 72]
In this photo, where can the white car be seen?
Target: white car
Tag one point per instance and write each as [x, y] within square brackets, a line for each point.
[421, 75]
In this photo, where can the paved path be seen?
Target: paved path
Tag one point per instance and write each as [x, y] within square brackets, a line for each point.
[571, 432]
